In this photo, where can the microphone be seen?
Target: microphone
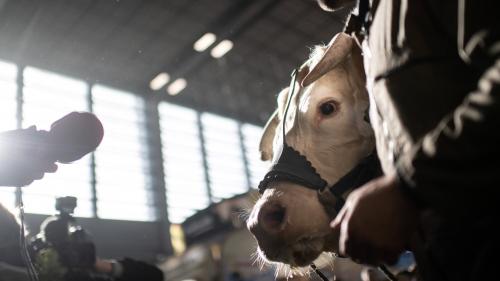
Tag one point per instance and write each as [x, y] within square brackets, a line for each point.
[73, 136]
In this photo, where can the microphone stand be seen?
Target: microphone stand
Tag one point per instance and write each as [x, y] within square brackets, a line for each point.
[30, 267]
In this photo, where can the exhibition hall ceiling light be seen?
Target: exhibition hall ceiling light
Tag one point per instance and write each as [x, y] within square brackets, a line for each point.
[204, 42]
[159, 81]
[221, 49]
[177, 86]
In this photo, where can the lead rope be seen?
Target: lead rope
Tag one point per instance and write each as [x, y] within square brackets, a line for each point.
[382, 269]
[318, 272]
[387, 273]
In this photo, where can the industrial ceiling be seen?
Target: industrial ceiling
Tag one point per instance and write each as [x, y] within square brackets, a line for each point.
[126, 43]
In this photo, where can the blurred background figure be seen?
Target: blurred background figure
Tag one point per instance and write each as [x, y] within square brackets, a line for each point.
[11, 261]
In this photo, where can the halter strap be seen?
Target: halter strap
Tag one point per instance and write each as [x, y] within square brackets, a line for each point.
[294, 167]
[291, 165]
[369, 168]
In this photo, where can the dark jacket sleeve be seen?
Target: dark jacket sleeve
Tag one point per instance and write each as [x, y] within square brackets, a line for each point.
[456, 167]
[134, 270]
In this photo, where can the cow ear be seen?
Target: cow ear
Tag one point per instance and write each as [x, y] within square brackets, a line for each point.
[266, 141]
[336, 51]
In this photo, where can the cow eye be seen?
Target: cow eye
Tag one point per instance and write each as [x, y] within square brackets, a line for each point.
[328, 108]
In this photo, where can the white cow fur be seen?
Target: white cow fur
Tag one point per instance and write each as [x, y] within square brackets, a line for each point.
[334, 144]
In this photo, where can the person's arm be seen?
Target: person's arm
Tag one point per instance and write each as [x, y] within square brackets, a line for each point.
[112, 268]
[454, 171]
[21, 161]
[129, 270]
[456, 168]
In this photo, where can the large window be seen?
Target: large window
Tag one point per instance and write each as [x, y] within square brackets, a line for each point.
[122, 186]
[185, 181]
[8, 89]
[206, 157]
[224, 156]
[47, 97]
[256, 167]
[123, 189]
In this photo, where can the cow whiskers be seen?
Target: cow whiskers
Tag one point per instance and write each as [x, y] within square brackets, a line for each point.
[259, 259]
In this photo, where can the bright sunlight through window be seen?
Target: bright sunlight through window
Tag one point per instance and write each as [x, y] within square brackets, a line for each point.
[123, 189]
[48, 97]
[185, 181]
[206, 157]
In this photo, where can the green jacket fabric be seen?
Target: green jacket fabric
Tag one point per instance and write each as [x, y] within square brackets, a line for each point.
[433, 74]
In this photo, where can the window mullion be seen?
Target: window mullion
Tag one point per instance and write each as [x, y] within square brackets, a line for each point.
[204, 157]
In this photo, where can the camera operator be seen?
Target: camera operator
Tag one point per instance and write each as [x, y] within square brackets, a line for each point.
[63, 249]
[74, 252]
[20, 164]
[12, 266]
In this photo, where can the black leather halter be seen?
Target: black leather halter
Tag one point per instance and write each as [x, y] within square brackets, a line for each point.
[294, 167]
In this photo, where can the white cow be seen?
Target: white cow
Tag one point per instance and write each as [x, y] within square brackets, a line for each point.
[326, 123]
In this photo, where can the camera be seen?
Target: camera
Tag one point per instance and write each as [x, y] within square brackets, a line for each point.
[66, 205]
[73, 244]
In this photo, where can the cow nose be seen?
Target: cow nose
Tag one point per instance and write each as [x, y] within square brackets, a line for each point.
[272, 217]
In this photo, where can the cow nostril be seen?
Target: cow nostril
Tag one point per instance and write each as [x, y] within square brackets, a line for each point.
[272, 217]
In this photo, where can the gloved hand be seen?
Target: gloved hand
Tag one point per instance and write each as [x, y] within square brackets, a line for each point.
[22, 160]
